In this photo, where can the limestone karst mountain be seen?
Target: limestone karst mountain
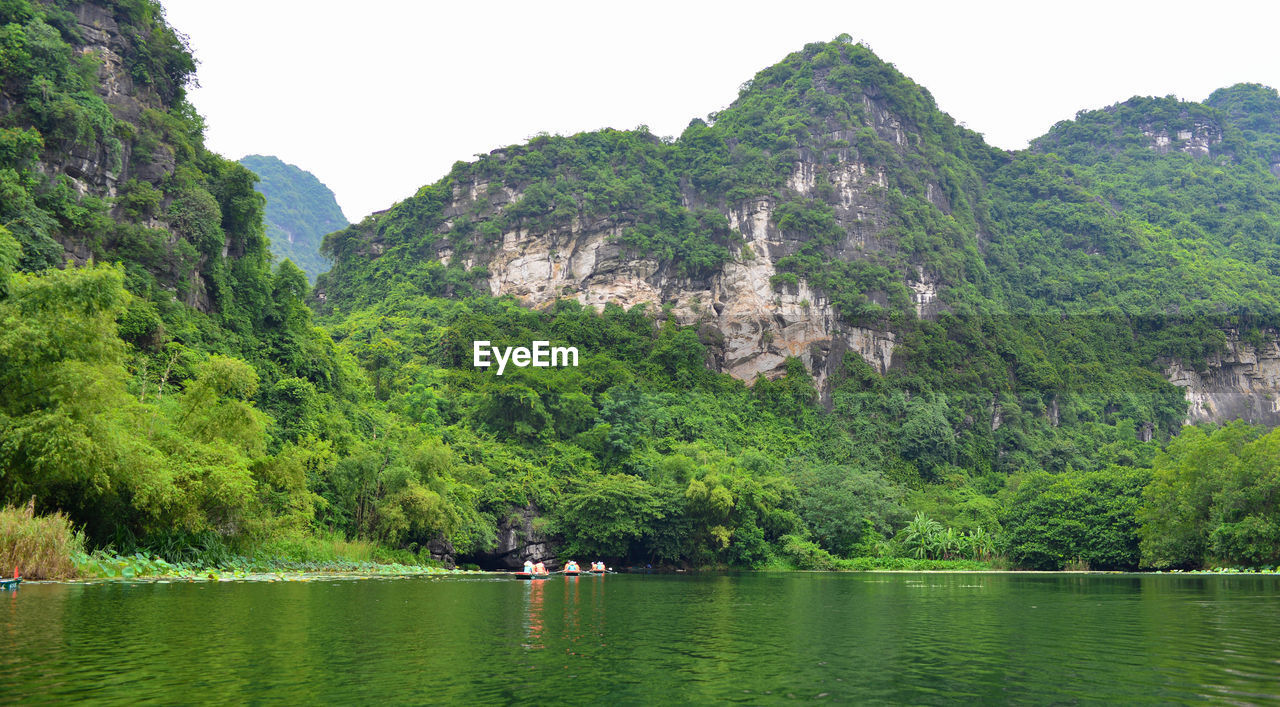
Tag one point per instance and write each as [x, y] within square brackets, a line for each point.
[833, 208]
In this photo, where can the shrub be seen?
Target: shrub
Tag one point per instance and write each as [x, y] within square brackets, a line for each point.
[804, 554]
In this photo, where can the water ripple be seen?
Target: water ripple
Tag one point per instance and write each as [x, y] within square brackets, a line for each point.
[917, 638]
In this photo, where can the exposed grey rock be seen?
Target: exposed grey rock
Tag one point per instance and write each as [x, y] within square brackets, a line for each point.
[160, 165]
[442, 551]
[759, 325]
[1242, 383]
[519, 540]
[1198, 141]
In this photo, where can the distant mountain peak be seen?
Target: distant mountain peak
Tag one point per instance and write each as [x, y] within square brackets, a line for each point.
[300, 211]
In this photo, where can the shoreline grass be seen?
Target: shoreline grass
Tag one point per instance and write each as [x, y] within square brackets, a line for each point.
[39, 547]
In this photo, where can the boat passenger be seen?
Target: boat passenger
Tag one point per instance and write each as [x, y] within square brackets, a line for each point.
[571, 566]
[539, 568]
[528, 566]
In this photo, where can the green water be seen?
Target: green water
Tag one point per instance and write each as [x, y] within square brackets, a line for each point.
[919, 638]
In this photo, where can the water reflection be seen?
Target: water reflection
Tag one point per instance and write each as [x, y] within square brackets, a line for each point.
[915, 638]
[534, 614]
[571, 620]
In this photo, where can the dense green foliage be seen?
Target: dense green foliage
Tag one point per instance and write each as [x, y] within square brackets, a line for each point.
[1076, 519]
[138, 397]
[300, 212]
[1213, 500]
[182, 402]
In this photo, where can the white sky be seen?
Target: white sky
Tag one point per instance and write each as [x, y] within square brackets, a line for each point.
[379, 97]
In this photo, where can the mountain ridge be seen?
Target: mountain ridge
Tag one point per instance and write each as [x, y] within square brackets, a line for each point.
[300, 211]
[835, 196]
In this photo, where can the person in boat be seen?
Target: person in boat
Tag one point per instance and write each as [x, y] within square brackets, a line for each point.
[539, 568]
[571, 566]
[528, 566]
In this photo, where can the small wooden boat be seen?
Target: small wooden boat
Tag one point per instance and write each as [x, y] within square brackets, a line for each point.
[572, 573]
[598, 571]
[531, 575]
[10, 583]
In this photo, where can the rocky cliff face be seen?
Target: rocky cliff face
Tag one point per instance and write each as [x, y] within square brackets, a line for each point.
[850, 201]
[1242, 383]
[100, 167]
[751, 326]
[867, 181]
[102, 97]
[519, 540]
[750, 322]
[1199, 140]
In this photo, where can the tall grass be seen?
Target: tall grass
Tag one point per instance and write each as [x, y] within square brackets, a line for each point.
[40, 546]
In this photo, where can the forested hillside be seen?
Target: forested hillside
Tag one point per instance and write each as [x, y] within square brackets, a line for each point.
[300, 211]
[142, 376]
[168, 387]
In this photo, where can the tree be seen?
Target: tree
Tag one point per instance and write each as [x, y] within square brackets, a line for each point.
[847, 508]
[10, 255]
[926, 436]
[1058, 520]
[1177, 505]
[217, 406]
[602, 515]
[1214, 499]
[64, 412]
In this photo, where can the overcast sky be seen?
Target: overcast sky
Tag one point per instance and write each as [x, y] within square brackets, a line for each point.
[379, 97]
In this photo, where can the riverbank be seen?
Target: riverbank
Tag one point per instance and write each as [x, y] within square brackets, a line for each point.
[117, 568]
[285, 576]
[911, 564]
[101, 565]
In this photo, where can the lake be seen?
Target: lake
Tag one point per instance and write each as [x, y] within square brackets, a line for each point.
[895, 637]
